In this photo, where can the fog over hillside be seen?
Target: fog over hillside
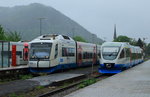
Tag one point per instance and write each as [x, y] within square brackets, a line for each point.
[25, 20]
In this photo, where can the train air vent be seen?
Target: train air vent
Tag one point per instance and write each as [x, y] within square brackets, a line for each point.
[45, 39]
[66, 37]
[49, 37]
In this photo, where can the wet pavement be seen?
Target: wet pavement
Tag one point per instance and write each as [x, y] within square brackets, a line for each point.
[29, 84]
[134, 82]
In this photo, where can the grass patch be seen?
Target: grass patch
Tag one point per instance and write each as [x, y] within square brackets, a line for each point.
[87, 82]
[39, 87]
[65, 84]
[23, 77]
[15, 95]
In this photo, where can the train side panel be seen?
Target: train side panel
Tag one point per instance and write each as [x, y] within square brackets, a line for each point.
[64, 54]
[86, 54]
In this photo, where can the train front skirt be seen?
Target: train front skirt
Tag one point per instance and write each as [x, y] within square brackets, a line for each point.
[116, 69]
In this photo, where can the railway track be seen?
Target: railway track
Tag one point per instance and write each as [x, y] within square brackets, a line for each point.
[57, 86]
[60, 92]
[13, 73]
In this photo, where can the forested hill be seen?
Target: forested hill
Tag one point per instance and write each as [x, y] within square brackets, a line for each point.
[25, 20]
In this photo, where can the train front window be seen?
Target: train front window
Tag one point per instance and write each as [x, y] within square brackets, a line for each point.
[40, 50]
[110, 53]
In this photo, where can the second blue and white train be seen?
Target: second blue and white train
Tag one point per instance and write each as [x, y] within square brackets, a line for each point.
[117, 56]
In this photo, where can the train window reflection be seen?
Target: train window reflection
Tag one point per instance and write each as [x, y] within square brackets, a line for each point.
[40, 51]
[110, 53]
[122, 54]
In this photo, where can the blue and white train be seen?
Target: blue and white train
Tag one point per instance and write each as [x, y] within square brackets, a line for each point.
[117, 56]
[49, 53]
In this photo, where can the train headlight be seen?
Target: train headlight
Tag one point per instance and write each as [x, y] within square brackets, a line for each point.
[46, 56]
[33, 56]
[108, 65]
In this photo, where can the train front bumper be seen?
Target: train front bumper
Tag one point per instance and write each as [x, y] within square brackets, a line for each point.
[110, 68]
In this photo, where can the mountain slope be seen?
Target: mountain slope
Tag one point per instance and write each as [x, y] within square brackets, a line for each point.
[25, 20]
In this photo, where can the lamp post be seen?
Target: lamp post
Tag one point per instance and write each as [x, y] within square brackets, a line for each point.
[143, 42]
[93, 53]
[73, 32]
[40, 19]
[144, 46]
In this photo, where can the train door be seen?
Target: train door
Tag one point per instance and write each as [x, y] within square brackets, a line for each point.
[122, 58]
[94, 55]
[54, 61]
[68, 55]
[71, 55]
[128, 58]
[131, 56]
[79, 56]
[63, 59]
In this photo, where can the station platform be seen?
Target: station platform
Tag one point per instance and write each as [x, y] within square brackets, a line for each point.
[14, 68]
[29, 84]
[49, 79]
[134, 82]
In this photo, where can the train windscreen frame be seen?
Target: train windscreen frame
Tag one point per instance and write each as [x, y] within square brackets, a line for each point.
[40, 51]
[110, 52]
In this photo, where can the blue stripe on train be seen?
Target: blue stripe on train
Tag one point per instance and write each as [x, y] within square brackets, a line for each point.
[58, 67]
[118, 67]
[53, 69]
[109, 71]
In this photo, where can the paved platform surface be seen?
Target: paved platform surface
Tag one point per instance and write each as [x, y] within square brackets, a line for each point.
[13, 67]
[47, 80]
[27, 85]
[134, 82]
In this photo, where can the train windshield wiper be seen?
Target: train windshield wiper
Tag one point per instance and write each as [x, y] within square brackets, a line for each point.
[113, 53]
[110, 54]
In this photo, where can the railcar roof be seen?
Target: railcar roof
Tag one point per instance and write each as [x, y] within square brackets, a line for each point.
[115, 43]
[51, 38]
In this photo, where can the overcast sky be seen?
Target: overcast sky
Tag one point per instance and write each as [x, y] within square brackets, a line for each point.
[132, 17]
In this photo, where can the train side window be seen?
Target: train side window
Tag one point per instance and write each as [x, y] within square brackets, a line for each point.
[64, 51]
[127, 52]
[56, 50]
[92, 55]
[80, 56]
[68, 51]
[122, 54]
[84, 55]
[99, 54]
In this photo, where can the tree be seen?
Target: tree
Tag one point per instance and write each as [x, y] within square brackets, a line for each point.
[133, 42]
[122, 38]
[13, 36]
[9, 36]
[140, 43]
[2, 33]
[147, 50]
[78, 38]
